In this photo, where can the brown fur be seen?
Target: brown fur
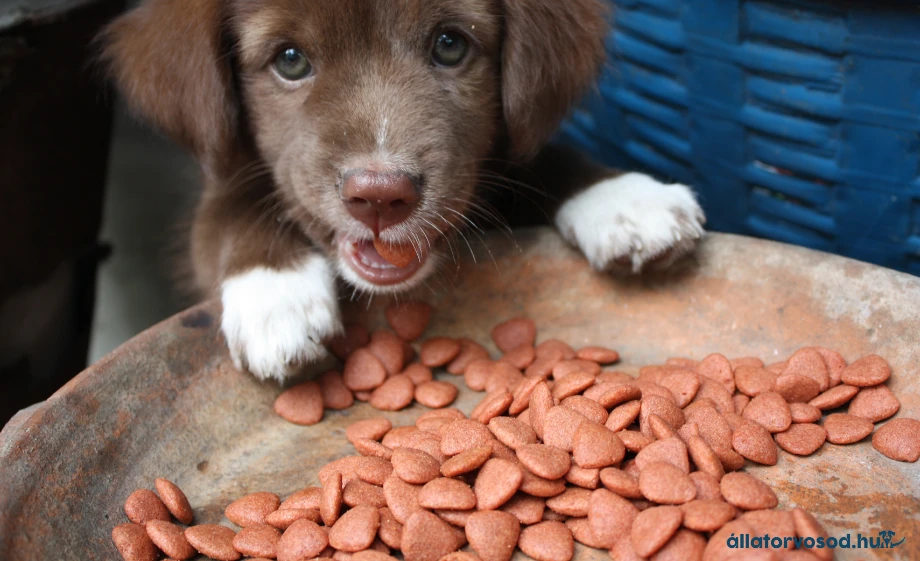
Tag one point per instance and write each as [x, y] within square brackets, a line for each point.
[273, 157]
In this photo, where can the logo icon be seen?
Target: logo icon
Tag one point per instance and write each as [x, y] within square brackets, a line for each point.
[887, 536]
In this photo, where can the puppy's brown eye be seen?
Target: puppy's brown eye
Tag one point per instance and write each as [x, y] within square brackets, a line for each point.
[450, 48]
[291, 64]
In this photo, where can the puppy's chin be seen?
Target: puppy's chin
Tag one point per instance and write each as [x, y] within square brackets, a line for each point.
[363, 267]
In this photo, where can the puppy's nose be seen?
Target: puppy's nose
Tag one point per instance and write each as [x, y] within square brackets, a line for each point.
[380, 200]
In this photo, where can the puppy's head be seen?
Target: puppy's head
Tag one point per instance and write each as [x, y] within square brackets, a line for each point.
[375, 117]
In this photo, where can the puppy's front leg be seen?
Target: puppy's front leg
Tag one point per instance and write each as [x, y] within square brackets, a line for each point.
[619, 220]
[278, 293]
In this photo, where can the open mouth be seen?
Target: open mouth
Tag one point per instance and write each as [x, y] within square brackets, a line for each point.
[366, 261]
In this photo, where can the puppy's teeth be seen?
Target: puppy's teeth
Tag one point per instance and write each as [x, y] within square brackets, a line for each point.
[373, 265]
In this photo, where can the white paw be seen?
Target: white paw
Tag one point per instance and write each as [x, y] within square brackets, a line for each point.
[276, 321]
[632, 220]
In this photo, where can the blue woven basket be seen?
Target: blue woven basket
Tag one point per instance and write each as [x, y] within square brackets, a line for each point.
[795, 121]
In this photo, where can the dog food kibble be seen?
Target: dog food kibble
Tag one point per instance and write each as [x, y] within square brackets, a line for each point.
[143, 505]
[170, 539]
[438, 351]
[257, 541]
[373, 470]
[571, 502]
[363, 371]
[460, 556]
[214, 541]
[653, 527]
[513, 333]
[284, 517]
[395, 394]
[556, 451]
[355, 337]
[355, 530]
[566, 367]
[609, 517]
[804, 413]
[753, 380]
[560, 425]
[717, 367]
[492, 405]
[753, 441]
[357, 492]
[521, 357]
[398, 255]
[418, 373]
[334, 393]
[547, 541]
[664, 407]
[133, 543]
[683, 546]
[600, 355]
[409, 319]
[436, 394]
[770, 410]
[371, 555]
[302, 540]
[390, 350]
[497, 482]
[307, 498]
[427, 538]
[512, 432]
[795, 388]
[663, 483]
[527, 509]
[876, 404]
[747, 492]
[252, 509]
[466, 461]
[671, 450]
[777, 522]
[445, 493]
[402, 498]
[390, 530]
[807, 527]
[470, 351]
[464, 434]
[493, 534]
[899, 440]
[331, 502]
[834, 397]
[808, 362]
[707, 486]
[374, 429]
[545, 461]
[842, 428]
[704, 457]
[301, 404]
[174, 500]
[414, 466]
[707, 515]
[503, 376]
[865, 372]
[802, 439]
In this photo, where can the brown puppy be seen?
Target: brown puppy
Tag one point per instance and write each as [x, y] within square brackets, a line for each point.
[323, 126]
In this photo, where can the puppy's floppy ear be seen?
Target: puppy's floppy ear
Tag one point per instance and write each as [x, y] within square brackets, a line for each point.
[552, 54]
[167, 58]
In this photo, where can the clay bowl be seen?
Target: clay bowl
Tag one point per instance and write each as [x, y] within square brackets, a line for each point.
[169, 403]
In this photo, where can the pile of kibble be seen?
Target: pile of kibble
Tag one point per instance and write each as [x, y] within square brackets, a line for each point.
[558, 451]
